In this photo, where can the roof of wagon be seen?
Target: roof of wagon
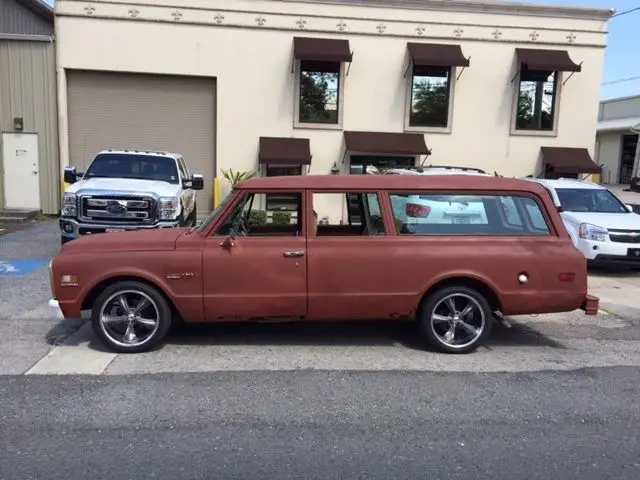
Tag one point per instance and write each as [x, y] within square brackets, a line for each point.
[391, 182]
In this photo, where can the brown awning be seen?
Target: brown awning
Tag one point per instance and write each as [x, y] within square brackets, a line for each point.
[569, 160]
[321, 49]
[284, 151]
[437, 55]
[553, 60]
[384, 142]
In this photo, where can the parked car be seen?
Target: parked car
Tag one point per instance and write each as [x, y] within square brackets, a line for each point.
[601, 226]
[450, 278]
[129, 190]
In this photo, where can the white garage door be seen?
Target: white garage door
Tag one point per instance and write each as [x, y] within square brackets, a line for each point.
[145, 112]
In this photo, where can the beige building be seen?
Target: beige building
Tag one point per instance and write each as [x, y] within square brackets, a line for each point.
[617, 141]
[30, 173]
[297, 87]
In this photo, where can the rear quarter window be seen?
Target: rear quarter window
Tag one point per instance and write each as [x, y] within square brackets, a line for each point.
[458, 214]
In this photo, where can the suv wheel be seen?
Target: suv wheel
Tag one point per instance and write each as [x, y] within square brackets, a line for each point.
[130, 317]
[456, 319]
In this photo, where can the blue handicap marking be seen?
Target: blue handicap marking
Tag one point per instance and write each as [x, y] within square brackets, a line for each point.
[19, 268]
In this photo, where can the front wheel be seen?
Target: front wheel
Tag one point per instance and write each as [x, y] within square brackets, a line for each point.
[456, 319]
[130, 317]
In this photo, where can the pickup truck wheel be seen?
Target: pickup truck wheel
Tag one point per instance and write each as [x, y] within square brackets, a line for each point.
[130, 317]
[194, 216]
[456, 319]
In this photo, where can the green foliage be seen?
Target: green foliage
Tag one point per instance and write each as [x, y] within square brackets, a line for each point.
[315, 94]
[257, 217]
[430, 105]
[281, 218]
[236, 177]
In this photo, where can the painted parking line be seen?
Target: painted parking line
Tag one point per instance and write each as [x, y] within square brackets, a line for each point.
[20, 268]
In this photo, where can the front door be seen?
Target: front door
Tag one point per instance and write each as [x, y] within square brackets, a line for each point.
[21, 170]
[255, 264]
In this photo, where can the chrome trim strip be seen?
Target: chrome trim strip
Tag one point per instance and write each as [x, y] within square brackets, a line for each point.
[94, 214]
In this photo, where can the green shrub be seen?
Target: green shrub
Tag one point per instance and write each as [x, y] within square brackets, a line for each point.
[257, 217]
[281, 218]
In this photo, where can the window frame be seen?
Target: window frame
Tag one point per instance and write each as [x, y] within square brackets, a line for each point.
[556, 107]
[409, 97]
[241, 201]
[380, 195]
[552, 232]
[296, 100]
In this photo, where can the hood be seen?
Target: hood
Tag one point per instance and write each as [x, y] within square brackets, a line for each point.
[612, 221]
[125, 185]
[135, 240]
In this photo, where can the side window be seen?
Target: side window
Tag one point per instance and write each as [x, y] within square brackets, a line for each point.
[418, 214]
[363, 214]
[251, 219]
[279, 202]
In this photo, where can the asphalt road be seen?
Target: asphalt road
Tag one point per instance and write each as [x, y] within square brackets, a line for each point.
[580, 424]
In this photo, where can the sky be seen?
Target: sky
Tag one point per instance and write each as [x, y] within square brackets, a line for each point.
[622, 57]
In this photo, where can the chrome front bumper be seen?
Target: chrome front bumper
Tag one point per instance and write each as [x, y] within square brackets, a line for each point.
[78, 229]
[53, 303]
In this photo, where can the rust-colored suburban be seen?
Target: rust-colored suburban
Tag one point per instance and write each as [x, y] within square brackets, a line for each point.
[451, 252]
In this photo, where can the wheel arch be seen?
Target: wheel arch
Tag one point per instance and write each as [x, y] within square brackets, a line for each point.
[93, 293]
[481, 285]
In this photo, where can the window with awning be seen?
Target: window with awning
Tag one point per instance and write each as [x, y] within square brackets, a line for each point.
[538, 86]
[387, 143]
[568, 160]
[319, 66]
[432, 67]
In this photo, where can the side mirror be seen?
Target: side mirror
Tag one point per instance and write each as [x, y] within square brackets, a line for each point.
[228, 242]
[70, 175]
[629, 208]
[196, 182]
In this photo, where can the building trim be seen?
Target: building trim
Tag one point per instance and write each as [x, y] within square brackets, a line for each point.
[620, 99]
[26, 38]
[462, 6]
[368, 27]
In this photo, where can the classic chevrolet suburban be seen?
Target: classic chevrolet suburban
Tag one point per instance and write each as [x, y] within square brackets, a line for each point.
[372, 261]
[129, 190]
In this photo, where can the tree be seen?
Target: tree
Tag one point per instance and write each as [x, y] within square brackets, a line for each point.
[315, 94]
[430, 105]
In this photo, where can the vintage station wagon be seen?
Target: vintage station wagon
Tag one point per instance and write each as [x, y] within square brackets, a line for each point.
[323, 248]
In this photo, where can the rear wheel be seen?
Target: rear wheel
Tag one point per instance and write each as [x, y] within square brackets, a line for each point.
[131, 317]
[456, 319]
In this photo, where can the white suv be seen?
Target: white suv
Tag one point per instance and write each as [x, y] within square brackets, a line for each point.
[601, 226]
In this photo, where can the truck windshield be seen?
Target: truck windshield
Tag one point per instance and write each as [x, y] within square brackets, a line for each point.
[143, 167]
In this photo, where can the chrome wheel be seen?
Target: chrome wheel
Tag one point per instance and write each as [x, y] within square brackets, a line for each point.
[129, 318]
[457, 321]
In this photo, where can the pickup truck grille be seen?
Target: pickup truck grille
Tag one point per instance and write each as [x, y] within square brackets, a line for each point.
[117, 209]
[625, 236]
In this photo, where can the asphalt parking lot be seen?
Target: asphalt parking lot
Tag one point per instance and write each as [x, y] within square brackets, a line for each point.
[34, 342]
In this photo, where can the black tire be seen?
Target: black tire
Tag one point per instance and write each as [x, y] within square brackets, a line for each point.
[64, 239]
[482, 319]
[160, 307]
[194, 215]
[181, 219]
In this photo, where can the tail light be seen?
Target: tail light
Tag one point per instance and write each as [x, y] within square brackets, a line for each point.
[417, 211]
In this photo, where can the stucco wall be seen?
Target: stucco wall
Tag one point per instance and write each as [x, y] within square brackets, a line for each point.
[609, 146]
[252, 64]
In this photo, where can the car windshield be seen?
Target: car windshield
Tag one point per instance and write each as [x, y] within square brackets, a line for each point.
[213, 216]
[592, 200]
[143, 167]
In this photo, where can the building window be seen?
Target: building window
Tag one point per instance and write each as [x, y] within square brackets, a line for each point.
[319, 93]
[430, 97]
[282, 203]
[363, 164]
[536, 102]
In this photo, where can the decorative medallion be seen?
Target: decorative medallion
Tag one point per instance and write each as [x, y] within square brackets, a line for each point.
[420, 30]
[496, 34]
[301, 23]
[177, 16]
[260, 20]
[219, 18]
[342, 26]
[134, 12]
[458, 32]
[571, 37]
[534, 36]
[89, 10]
[381, 27]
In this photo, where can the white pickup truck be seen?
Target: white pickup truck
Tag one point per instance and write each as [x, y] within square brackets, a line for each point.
[129, 190]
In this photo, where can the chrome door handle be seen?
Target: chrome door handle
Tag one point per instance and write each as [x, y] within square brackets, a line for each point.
[293, 253]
